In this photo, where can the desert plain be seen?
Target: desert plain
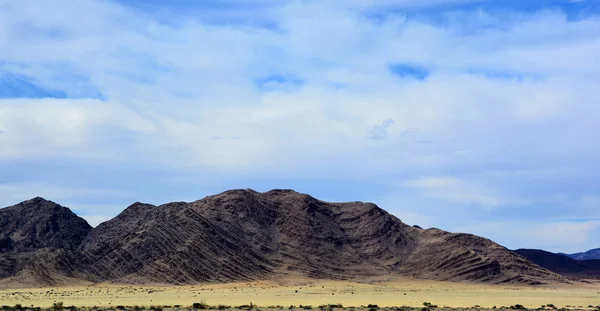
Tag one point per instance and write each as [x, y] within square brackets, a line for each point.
[396, 293]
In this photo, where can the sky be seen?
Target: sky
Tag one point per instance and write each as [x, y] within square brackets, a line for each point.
[466, 115]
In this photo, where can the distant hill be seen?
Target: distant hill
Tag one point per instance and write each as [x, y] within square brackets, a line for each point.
[562, 264]
[589, 255]
[243, 235]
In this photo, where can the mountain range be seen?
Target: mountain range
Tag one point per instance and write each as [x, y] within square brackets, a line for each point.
[563, 264]
[242, 235]
[589, 255]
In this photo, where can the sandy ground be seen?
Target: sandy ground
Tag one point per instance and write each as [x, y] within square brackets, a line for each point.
[271, 293]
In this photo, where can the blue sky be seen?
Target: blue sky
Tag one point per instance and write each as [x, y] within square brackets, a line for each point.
[475, 116]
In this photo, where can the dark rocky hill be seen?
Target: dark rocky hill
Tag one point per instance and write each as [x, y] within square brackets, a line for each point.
[37, 224]
[38, 242]
[559, 263]
[246, 235]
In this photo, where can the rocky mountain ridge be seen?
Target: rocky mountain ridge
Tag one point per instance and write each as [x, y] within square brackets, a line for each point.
[244, 235]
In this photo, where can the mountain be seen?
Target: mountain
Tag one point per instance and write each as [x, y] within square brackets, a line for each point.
[591, 254]
[245, 235]
[38, 242]
[561, 264]
[38, 223]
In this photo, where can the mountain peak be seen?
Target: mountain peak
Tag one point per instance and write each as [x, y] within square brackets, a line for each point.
[39, 201]
[39, 223]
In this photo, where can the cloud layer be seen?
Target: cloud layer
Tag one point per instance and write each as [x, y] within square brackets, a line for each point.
[459, 114]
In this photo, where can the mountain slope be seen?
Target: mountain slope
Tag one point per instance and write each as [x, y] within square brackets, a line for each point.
[464, 257]
[562, 264]
[589, 255]
[173, 244]
[246, 235]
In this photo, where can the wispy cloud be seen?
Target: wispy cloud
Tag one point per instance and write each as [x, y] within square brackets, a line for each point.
[463, 192]
[380, 131]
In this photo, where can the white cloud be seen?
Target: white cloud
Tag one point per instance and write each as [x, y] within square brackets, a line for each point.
[204, 70]
[507, 94]
[174, 86]
[460, 191]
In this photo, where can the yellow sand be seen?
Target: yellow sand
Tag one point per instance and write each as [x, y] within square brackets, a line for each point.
[270, 293]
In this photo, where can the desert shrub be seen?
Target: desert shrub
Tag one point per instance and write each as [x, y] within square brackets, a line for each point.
[429, 305]
[58, 305]
[137, 308]
[550, 306]
[518, 307]
[370, 306]
[120, 308]
[200, 305]
[306, 307]
[223, 307]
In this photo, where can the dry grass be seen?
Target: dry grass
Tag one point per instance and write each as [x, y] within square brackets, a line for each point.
[309, 292]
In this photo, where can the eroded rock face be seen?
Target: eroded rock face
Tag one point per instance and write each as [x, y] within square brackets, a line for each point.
[245, 235]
